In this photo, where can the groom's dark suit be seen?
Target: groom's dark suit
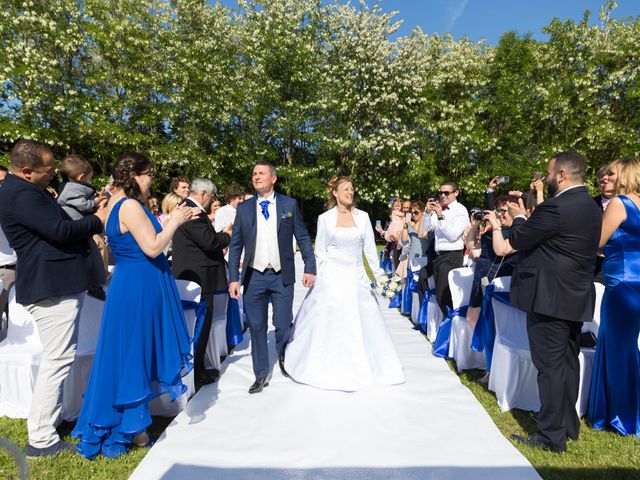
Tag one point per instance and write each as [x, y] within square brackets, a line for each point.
[553, 282]
[259, 286]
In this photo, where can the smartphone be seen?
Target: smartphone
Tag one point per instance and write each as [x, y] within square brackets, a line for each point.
[378, 224]
[407, 216]
[537, 176]
[502, 179]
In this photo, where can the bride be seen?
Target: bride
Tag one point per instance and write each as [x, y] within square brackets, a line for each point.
[339, 340]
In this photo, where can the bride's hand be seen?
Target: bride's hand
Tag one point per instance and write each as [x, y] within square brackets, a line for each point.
[308, 279]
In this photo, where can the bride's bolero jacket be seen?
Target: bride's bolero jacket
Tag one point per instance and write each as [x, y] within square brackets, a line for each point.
[327, 224]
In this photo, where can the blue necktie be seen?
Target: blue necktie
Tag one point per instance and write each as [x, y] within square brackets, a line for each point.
[265, 209]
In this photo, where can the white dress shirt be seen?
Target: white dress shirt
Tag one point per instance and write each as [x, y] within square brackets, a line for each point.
[448, 231]
[225, 216]
[267, 254]
[7, 255]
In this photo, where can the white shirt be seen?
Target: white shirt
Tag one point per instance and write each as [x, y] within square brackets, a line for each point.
[448, 231]
[225, 216]
[197, 204]
[267, 254]
[7, 255]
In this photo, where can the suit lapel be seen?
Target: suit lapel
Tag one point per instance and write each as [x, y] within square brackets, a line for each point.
[278, 211]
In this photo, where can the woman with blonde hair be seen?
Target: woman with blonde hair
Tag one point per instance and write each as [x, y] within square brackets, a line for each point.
[614, 398]
[340, 341]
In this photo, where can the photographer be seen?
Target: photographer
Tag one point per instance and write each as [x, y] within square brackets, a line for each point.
[447, 219]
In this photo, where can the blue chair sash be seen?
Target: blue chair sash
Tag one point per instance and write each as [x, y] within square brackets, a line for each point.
[484, 334]
[396, 300]
[234, 322]
[407, 297]
[201, 312]
[424, 310]
[441, 345]
[385, 262]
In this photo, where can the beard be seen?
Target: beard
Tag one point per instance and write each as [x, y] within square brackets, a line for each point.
[552, 187]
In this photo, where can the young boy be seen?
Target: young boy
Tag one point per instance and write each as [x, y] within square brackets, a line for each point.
[78, 198]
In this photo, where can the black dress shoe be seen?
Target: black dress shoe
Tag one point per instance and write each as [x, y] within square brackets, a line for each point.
[258, 385]
[281, 364]
[205, 377]
[536, 441]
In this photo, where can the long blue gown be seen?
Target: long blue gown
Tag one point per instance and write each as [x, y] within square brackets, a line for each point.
[143, 349]
[614, 399]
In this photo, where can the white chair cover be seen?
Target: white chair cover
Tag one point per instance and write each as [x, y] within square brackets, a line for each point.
[20, 356]
[189, 291]
[513, 377]
[217, 346]
[460, 281]
[434, 315]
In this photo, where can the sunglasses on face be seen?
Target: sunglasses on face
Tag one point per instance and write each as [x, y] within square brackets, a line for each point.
[444, 193]
[416, 212]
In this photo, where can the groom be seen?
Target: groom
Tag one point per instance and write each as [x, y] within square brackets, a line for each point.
[265, 226]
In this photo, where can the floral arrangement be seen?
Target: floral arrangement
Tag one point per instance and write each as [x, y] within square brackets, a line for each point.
[388, 285]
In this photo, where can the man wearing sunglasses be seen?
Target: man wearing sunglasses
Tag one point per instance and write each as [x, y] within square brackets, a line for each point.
[447, 219]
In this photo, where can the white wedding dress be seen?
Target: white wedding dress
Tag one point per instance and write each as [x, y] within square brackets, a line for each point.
[339, 339]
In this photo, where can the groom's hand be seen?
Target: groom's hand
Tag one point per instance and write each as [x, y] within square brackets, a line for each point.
[308, 279]
[234, 290]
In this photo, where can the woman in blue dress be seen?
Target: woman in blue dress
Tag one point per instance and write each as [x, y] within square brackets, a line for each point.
[144, 345]
[614, 399]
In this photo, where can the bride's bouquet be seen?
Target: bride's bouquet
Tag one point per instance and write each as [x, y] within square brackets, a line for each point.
[388, 285]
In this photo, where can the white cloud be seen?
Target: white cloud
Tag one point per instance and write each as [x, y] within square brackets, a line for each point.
[455, 10]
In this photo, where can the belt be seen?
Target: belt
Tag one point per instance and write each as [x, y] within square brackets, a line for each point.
[8, 267]
[442, 252]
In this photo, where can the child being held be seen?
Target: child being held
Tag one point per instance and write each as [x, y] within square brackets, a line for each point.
[78, 198]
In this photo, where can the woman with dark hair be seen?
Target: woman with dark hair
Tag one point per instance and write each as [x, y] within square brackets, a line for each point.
[144, 345]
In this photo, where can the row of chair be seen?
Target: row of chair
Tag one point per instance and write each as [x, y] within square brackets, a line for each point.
[513, 377]
[21, 350]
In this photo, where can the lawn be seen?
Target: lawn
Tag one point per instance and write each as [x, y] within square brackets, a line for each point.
[596, 455]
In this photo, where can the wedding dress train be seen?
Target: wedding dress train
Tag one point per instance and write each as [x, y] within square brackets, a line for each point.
[339, 339]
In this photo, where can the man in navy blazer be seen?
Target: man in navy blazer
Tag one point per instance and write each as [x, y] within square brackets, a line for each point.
[53, 271]
[553, 283]
[265, 227]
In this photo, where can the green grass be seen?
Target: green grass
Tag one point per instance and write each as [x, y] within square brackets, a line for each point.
[596, 455]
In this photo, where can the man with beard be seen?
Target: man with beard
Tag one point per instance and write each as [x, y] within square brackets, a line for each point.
[553, 283]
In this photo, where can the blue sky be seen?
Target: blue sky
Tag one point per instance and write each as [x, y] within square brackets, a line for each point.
[490, 18]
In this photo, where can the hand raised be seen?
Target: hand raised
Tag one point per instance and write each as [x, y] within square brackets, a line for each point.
[516, 209]
[181, 214]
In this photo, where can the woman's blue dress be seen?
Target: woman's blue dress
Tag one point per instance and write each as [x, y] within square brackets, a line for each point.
[614, 399]
[143, 349]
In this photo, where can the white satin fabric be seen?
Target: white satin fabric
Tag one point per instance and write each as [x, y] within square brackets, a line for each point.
[339, 340]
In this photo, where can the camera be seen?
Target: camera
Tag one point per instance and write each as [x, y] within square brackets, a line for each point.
[434, 196]
[478, 214]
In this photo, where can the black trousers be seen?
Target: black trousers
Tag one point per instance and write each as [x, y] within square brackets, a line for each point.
[443, 263]
[201, 347]
[555, 345]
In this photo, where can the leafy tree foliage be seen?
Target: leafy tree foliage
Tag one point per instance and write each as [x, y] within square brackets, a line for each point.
[317, 88]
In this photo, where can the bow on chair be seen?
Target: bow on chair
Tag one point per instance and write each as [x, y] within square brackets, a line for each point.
[484, 334]
[234, 322]
[410, 286]
[441, 345]
[424, 310]
[201, 312]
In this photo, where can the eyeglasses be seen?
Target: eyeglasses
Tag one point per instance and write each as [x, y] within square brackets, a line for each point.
[501, 211]
[446, 194]
[416, 212]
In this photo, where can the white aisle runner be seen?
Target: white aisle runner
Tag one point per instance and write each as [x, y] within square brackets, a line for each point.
[430, 427]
